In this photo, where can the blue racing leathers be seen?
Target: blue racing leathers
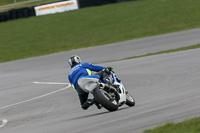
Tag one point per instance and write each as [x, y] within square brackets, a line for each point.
[80, 70]
[83, 70]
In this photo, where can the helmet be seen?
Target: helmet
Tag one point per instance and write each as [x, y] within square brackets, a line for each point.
[73, 60]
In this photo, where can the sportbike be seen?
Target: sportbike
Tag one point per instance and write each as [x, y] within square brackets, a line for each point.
[111, 94]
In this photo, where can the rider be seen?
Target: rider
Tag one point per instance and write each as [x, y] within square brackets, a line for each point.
[80, 70]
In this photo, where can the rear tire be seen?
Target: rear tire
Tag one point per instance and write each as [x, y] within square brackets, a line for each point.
[104, 99]
[130, 100]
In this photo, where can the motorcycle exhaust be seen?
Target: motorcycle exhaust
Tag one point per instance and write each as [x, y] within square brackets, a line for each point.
[101, 85]
[109, 88]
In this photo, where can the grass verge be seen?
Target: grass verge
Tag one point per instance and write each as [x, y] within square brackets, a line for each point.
[93, 26]
[161, 52]
[187, 126]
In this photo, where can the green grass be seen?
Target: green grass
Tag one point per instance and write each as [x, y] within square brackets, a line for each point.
[160, 52]
[187, 126]
[5, 2]
[93, 26]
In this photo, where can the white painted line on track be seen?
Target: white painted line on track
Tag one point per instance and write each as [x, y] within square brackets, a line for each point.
[25, 101]
[50, 83]
[4, 122]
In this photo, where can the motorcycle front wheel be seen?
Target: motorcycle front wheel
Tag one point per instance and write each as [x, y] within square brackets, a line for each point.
[129, 100]
[105, 99]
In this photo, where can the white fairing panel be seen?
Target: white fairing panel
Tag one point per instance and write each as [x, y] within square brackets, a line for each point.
[123, 92]
[88, 84]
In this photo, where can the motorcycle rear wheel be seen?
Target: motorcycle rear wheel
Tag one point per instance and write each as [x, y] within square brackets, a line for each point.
[104, 99]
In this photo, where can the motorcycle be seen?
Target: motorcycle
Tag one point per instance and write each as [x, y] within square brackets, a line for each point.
[108, 92]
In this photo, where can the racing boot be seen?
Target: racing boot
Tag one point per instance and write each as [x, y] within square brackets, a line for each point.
[87, 104]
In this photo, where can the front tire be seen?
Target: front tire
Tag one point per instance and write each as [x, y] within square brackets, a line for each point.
[105, 100]
[130, 100]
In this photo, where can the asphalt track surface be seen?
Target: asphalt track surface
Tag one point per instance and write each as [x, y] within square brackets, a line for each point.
[166, 88]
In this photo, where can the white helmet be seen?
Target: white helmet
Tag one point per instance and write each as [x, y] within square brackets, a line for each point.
[74, 60]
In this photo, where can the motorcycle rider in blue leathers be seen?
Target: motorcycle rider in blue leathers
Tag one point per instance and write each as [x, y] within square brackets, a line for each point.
[83, 70]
